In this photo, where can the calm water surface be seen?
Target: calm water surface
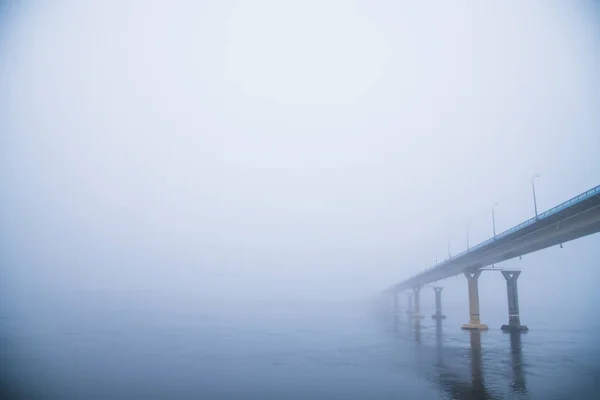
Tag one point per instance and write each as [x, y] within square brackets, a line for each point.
[290, 352]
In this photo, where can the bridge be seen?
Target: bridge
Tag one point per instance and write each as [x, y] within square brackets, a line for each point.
[573, 219]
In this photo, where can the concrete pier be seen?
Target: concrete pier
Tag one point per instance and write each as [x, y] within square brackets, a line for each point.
[396, 306]
[474, 322]
[417, 292]
[438, 303]
[409, 311]
[514, 321]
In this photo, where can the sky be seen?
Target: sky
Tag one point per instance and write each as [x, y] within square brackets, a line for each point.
[234, 151]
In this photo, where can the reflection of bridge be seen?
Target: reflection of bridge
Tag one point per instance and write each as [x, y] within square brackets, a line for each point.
[573, 219]
[450, 381]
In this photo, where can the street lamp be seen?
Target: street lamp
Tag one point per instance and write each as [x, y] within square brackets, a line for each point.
[533, 188]
[494, 217]
[467, 237]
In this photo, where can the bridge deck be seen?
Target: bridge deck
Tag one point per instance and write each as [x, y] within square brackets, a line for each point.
[575, 218]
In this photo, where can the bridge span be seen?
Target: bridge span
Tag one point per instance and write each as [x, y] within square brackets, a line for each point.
[573, 219]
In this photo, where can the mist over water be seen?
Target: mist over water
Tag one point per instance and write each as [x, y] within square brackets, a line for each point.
[207, 199]
[296, 351]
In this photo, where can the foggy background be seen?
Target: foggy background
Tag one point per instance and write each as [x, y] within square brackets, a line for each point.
[197, 155]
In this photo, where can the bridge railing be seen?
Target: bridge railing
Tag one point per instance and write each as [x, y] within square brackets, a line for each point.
[577, 199]
[574, 200]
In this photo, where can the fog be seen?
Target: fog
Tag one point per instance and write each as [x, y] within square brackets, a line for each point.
[198, 154]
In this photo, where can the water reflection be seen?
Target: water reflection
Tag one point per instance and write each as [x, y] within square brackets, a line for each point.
[460, 374]
[417, 324]
[449, 377]
[519, 385]
[478, 385]
[439, 342]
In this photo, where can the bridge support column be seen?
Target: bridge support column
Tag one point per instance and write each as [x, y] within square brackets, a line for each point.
[417, 292]
[396, 304]
[514, 321]
[474, 322]
[409, 309]
[438, 303]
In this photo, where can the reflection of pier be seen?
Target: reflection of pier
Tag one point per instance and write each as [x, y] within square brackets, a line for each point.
[450, 381]
[477, 384]
[519, 385]
[448, 369]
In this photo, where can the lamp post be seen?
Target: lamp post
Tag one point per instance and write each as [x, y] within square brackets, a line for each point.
[467, 237]
[537, 175]
[494, 217]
